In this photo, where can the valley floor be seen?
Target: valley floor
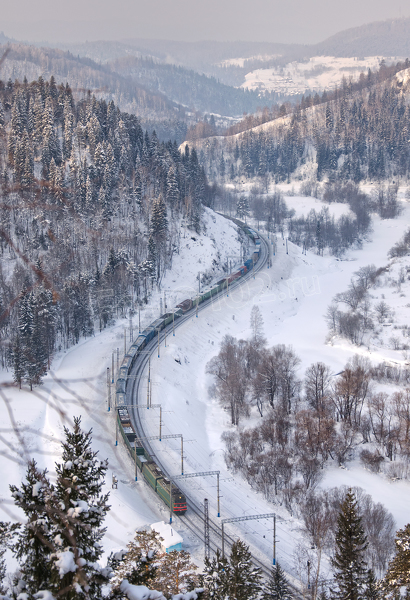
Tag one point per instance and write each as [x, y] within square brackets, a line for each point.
[293, 297]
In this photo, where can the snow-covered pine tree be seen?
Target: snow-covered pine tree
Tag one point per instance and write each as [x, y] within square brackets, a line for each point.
[172, 194]
[139, 563]
[215, 577]
[152, 258]
[242, 207]
[18, 360]
[398, 572]
[244, 579]
[77, 522]
[277, 587]
[176, 574]
[373, 587]
[348, 563]
[159, 221]
[33, 545]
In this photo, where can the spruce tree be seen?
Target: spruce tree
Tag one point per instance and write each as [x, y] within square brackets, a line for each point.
[215, 577]
[33, 546]
[176, 574]
[77, 522]
[398, 572]
[18, 360]
[373, 588]
[139, 564]
[172, 193]
[277, 587]
[159, 221]
[243, 578]
[348, 563]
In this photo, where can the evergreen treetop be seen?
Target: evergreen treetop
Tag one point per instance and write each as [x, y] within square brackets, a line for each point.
[349, 567]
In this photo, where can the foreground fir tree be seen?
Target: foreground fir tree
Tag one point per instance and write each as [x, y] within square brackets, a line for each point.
[350, 572]
[215, 577]
[7, 532]
[139, 563]
[33, 545]
[277, 587]
[80, 509]
[176, 574]
[243, 578]
[373, 588]
[398, 572]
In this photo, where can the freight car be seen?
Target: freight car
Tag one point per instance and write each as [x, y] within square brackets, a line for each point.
[150, 470]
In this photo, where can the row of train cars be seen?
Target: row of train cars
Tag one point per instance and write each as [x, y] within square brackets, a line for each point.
[168, 492]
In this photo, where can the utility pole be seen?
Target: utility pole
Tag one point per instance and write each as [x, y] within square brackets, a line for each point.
[160, 422]
[112, 369]
[158, 342]
[149, 380]
[274, 540]
[206, 523]
[118, 360]
[236, 519]
[108, 388]
[136, 473]
[170, 501]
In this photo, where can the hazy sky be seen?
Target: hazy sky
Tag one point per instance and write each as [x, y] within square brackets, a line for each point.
[288, 21]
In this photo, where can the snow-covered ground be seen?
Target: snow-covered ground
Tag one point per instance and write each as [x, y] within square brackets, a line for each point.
[293, 296]
[317, 74]
[32, 424]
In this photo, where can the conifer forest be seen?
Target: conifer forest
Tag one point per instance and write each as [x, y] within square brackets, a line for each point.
[86, 196]
[94, 210]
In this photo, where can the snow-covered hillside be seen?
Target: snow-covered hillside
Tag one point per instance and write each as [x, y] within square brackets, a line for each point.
[317, 74]
[293, 297]
[76, 385]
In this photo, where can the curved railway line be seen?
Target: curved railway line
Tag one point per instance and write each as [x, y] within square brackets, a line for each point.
[193, 519]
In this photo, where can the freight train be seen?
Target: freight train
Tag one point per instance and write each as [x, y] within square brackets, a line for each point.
[169, 493]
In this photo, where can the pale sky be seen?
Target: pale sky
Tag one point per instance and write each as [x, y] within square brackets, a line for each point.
[287, 21]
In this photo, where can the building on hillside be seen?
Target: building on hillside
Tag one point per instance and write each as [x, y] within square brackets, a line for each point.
[171, 539]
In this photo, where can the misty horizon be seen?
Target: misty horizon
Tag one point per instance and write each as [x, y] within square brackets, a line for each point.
[226, 21]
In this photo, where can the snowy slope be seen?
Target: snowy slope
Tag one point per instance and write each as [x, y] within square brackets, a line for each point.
[77, 386]
[292, 296]
[317, 74]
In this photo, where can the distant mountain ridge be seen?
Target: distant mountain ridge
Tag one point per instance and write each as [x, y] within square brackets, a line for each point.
[385, 38]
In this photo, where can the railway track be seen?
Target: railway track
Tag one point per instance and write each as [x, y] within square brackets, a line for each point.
[193, 519]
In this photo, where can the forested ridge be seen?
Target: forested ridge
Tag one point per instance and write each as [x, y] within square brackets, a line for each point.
[360, 134]
[90, 217]
[188, 88]
[85, 74]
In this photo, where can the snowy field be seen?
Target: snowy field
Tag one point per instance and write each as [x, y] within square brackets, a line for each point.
[317, 74]
[293, 297]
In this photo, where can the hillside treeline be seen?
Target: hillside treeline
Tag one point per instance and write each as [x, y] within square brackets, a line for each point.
[360, 135]
[90, 217]
[24, 61]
